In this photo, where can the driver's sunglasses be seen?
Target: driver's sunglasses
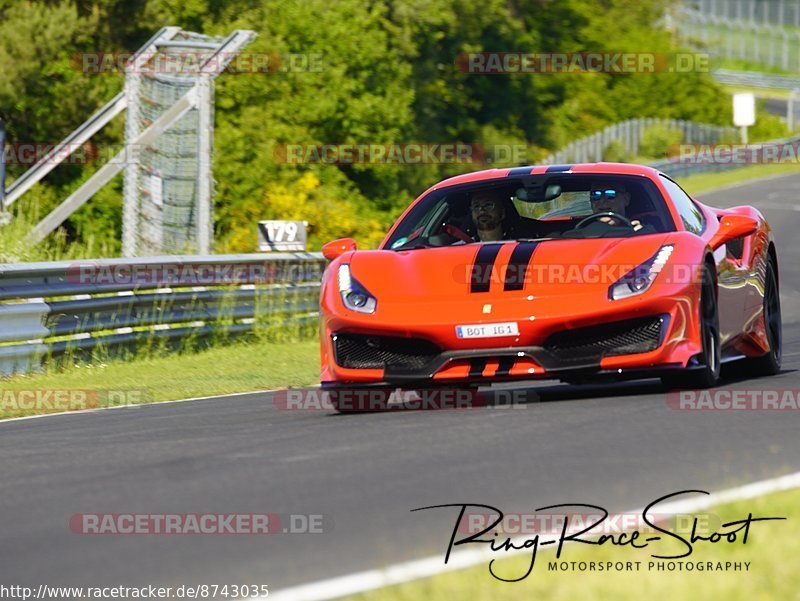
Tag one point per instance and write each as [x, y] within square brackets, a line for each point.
[489, 205]
[596, 195]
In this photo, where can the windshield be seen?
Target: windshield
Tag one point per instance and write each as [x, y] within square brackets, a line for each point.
[545, 206]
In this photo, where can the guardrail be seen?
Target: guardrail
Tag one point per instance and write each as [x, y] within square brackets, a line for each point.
[723, 159]
[752, 79]
[778, 12]
[114, 305]
[592, 147]
[739, 38]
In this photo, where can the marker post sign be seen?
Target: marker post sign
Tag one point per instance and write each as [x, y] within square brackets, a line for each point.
[744, 112]
[282, 235]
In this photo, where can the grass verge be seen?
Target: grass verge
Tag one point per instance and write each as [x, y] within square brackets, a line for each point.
[770, 549]
[239, 367]
[707, 182]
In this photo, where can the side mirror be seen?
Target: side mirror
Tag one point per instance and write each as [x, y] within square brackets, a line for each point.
[732, 227]
[337, 248]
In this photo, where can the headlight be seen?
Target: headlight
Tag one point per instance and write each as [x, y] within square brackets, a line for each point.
[354, 296]
[641, 278]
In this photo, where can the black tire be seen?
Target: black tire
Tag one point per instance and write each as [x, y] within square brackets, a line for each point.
[770, 363]
[708, 375]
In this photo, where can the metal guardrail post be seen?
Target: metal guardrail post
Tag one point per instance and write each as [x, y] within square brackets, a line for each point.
[790, 109]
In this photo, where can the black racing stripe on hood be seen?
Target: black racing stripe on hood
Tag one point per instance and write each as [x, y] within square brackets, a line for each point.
[518, 265]
[481, 276]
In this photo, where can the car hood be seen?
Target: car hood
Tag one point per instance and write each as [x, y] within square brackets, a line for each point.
[549, 267]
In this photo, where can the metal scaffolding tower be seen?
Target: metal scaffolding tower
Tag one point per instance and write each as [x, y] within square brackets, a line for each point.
[168, 189]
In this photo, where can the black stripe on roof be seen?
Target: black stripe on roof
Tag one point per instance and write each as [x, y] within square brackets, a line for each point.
[517, 171]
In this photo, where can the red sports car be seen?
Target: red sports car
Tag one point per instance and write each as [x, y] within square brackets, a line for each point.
[573, 272]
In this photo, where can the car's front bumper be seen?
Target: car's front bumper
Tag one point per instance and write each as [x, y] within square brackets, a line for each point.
[458, 363]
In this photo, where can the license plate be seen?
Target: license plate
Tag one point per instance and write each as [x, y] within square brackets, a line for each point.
[488, 330]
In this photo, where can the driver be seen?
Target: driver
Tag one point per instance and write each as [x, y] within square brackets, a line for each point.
[488, 212]
[615, 198]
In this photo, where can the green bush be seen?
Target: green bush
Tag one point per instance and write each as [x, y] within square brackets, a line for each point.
[657, 140]
[16, 246]
[767, 127]
[617, 152]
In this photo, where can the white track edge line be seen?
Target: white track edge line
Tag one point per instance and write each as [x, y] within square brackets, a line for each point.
[138, 405]
[362, 582]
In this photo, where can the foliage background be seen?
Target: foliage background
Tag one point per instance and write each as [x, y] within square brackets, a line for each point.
[388, 75]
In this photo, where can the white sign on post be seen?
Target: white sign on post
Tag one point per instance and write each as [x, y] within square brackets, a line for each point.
[282, 235]
[744, 112]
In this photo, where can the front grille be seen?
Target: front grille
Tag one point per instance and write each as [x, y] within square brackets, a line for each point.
[618, 338]
[379, 352]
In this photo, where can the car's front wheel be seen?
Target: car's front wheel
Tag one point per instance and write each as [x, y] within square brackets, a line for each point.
[707, 374]
[770, 363]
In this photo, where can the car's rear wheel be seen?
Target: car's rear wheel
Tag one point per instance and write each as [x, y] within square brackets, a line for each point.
[708, 374]
[770, 363]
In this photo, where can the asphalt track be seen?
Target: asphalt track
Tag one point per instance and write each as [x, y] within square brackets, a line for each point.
[777, 106]
[774, 106]
[619, 446]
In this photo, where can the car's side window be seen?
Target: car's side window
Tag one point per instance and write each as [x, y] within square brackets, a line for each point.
[691, 215]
